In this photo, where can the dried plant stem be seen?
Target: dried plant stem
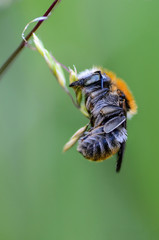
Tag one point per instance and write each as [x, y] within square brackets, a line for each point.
[23, 43]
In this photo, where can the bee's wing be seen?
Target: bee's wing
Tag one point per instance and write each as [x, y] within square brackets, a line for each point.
[114, 123]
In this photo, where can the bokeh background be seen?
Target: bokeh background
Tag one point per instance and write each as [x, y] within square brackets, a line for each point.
[44, 193]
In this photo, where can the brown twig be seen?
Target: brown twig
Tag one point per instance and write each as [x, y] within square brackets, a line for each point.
[23, 43]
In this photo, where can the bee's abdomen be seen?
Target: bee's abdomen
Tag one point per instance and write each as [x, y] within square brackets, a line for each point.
[97, 145]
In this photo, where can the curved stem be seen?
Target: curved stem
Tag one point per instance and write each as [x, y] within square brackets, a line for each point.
[23, 43]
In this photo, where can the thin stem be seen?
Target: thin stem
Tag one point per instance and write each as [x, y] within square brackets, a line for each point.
[23, 43]
[69, 94]
[61, 64]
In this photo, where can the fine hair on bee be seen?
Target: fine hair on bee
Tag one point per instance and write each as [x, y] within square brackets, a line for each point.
[109, 103]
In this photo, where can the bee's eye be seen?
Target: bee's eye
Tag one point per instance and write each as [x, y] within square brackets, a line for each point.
[97, 77]
[86, 81]
[92, 79]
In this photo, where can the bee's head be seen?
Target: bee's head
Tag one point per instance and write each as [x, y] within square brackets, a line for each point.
[88, 78]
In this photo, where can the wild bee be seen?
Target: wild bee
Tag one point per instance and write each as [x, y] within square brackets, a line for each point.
[109, 103]
[105, 100]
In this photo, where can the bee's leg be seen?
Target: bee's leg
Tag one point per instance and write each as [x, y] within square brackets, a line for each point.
[120, 156]
[105, 112]
[113, 123]
[121, 152]
[111, 110]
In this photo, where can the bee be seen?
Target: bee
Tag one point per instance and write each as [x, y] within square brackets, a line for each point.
[108, 102]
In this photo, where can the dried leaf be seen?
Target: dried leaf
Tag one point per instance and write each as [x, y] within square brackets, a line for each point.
[74, 138]
[52, 63]
[73, 75]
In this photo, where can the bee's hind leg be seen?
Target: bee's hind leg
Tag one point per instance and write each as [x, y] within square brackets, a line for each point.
[120, 157]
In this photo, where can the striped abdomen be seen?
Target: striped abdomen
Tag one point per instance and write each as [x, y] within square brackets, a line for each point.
[97, 145]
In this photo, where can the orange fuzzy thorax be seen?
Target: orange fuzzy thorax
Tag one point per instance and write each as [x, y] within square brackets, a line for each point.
[124, 88]
[120, 84]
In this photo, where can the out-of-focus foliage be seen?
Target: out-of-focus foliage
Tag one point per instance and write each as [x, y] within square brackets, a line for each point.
[5, 3]
[46, 194]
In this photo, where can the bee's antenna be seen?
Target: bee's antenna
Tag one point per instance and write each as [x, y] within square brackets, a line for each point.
[101, 78]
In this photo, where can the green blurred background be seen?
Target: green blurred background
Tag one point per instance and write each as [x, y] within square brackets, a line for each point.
[45, 194]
